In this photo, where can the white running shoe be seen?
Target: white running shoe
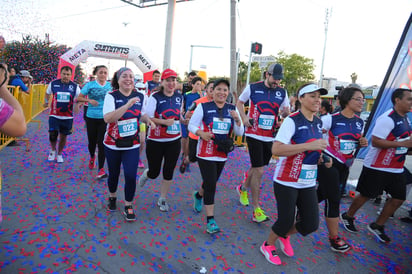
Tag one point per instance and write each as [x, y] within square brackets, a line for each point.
[52, 155]
[60, 158]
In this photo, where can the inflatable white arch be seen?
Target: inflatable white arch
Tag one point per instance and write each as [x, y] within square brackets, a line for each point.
[87, 49]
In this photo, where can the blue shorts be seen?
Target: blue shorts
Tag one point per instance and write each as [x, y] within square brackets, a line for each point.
[63, 126]
[185, 132]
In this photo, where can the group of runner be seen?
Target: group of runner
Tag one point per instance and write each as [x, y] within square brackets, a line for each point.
[305, 157]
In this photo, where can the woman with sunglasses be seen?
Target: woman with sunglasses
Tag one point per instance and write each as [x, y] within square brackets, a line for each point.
[344, 131]
[94, 93]
[213, 122]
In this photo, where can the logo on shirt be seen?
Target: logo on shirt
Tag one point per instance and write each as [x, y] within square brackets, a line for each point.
[399, 123]
[259, 91]
[178, 100]
[358, 126]
[302, 127]
[278, 94]
[119, 101]
[71, 88]
[341, 124]
[211, 111]
[162, 101]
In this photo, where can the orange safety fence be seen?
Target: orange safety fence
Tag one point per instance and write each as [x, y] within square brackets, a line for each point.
[32, 104]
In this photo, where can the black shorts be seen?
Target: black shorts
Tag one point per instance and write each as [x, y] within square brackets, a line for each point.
[260, 152]
[372, 182]
[192, 150]
[63, 126]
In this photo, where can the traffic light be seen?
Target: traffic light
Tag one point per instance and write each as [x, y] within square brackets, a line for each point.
[257, 48]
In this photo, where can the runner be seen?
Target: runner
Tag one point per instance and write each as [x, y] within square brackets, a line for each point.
[299, 144]
[343, 131]
[383, 165]
[62, 94]
[163, 140]
[214, 122]
[188, 98]
[266, 99]
[94, 93]
[122, 111]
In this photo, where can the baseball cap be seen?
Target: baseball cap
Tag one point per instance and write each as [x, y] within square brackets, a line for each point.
[167, 73]
[276, 70]
[25, 73]
[311, 88]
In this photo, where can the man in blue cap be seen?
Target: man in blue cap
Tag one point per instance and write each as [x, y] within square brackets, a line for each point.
[266, 100]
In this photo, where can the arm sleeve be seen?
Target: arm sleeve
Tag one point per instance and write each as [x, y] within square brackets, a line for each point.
[286, 131]
[245, 96]
[196, 119]
[383, 127]
[49, 91]
[151, 107]
[108, 105]
[85, 89]
[239, 130]
[326, 122]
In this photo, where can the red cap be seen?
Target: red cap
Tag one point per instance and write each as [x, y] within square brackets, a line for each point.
[167, 73]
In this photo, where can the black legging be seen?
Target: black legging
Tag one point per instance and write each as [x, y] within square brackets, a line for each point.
[168, 152]
[95, 134]
[329, 187]
[288, 198]
[210, 171]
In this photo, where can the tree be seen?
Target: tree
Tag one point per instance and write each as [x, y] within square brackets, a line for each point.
[298, 70]
[36, 56]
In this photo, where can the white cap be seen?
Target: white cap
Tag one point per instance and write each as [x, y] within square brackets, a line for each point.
[311, 88]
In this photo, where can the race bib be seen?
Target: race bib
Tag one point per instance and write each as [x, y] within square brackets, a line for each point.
[127, 127]
[347, 146]
[308, 174]
[266, 121]
[221, 127]
[174, 129]
[63, 97]
[401, 150]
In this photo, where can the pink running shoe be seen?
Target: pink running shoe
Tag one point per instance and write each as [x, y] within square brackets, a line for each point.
[269, 251]
[286, 247]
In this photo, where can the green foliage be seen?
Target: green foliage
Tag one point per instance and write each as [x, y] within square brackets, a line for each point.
[37, 56]
[298, 70]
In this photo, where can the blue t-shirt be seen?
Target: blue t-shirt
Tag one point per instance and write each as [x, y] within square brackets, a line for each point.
[97, 92]
[189, 98]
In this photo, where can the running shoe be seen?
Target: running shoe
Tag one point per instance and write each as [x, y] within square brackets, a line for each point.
[141, 165]
[379, 231]
[111, 206]
[143, 178]
[269, 251]
[129, 213]
[286, 247]
[101, 174]
[197, 203]
[259, 215]
[243, 198]
[338, 245]
[52, 155]
[162, 203]
[59, 158]
[348, 222]
[212, 227]
[92, 162]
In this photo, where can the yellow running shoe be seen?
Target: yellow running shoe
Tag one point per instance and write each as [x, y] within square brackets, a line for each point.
[243, 199]
[259, 215]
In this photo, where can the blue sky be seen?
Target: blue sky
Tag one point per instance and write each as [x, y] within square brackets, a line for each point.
[362, 35]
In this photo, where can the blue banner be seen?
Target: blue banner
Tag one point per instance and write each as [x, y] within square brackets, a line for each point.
[399, 75]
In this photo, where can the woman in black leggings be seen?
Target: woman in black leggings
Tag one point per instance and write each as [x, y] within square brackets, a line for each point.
[93, 93]
[213, 122]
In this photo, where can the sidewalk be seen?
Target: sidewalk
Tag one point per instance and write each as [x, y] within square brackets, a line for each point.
[55, 221]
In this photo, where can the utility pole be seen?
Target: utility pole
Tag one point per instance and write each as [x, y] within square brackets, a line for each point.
[233, 53]
[169, 34]
[324, 45]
